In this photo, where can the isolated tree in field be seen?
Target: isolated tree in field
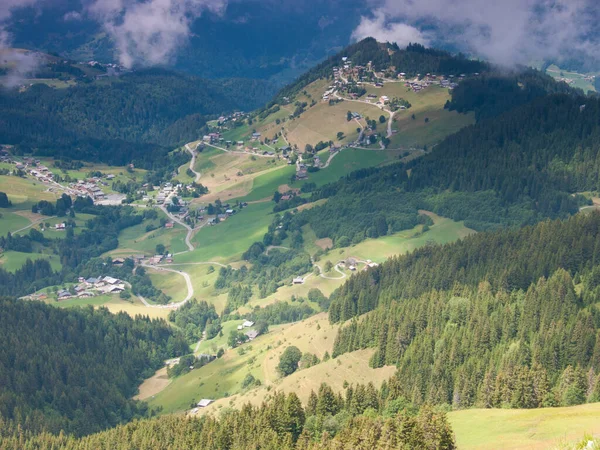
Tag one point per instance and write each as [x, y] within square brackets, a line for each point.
[349, 116]
[426, 119]
[4, 201]
[340, 135]
[382, 119]
[160, 249]
[328, 266]
[288, 362]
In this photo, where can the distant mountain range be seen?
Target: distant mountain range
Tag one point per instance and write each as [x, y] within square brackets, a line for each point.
[268, 40]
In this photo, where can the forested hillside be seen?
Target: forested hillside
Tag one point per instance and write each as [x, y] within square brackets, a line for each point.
[515, 169]
[121, 119]
[506, 259]
[364, 419]
[499, 319]
[76, 370]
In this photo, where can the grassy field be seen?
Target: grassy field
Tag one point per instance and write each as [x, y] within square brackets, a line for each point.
[100, 300]
[524, 428]
[263, 186]
[12, 261]
[136, 239]
[172, 284]
[444, 230]
[230, 175]
[229, 239]
[202, 281]
[428, 103]
[135, 308]
[11, 221]
[222, 378]
[23, 192]
[579, 80]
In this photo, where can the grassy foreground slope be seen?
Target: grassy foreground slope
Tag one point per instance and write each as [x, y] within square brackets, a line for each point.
[523, 428]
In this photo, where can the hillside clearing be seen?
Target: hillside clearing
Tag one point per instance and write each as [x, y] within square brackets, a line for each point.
[531, 429]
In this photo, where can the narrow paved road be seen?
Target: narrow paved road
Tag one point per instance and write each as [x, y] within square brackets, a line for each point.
[337, 269]
[188, 282]
[193, 162]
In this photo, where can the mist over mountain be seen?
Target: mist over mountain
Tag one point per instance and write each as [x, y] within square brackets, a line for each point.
[251, 39]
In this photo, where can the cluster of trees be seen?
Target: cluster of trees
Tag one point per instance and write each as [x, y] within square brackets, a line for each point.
[282, 422]
[491, 94]
[60, 208]
[268, 271]
[4, 201]
[280, 312]
[76, 370]
[195, 317]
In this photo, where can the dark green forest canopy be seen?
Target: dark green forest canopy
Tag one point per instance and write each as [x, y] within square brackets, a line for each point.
[130, 115]
[506, 259]
[76, 370]
[282, 423]
[472, 347]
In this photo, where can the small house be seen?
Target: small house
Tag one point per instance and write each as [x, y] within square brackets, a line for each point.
[298, 280]
[204, 402]
[248, 324]
[253, 334]
[111, 280]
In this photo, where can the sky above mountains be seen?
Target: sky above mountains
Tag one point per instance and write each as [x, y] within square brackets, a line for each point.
[279, 35]
[505, 32]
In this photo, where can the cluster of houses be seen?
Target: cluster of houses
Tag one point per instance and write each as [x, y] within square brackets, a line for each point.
[251, 334]
[212, 138]
[229, 211]
[157, 259]
[366, 73]
[32, 166]
[90, 287]
[90, 187]
[233, 117]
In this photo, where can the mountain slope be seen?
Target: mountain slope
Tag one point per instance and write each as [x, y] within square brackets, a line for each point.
[151, 107]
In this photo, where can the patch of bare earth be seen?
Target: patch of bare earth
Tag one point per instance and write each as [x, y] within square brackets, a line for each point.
[312, 205]
[324, 243]
[153, 385]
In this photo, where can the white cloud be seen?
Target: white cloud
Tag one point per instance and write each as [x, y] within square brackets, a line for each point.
[20, 64]
[383, 31]
[72, 16]
[505, 32]
[149, 32]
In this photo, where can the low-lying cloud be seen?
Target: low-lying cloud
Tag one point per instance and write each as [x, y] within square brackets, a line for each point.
[506, 32]
[144, 32]
[19, 64]
[149, 32]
